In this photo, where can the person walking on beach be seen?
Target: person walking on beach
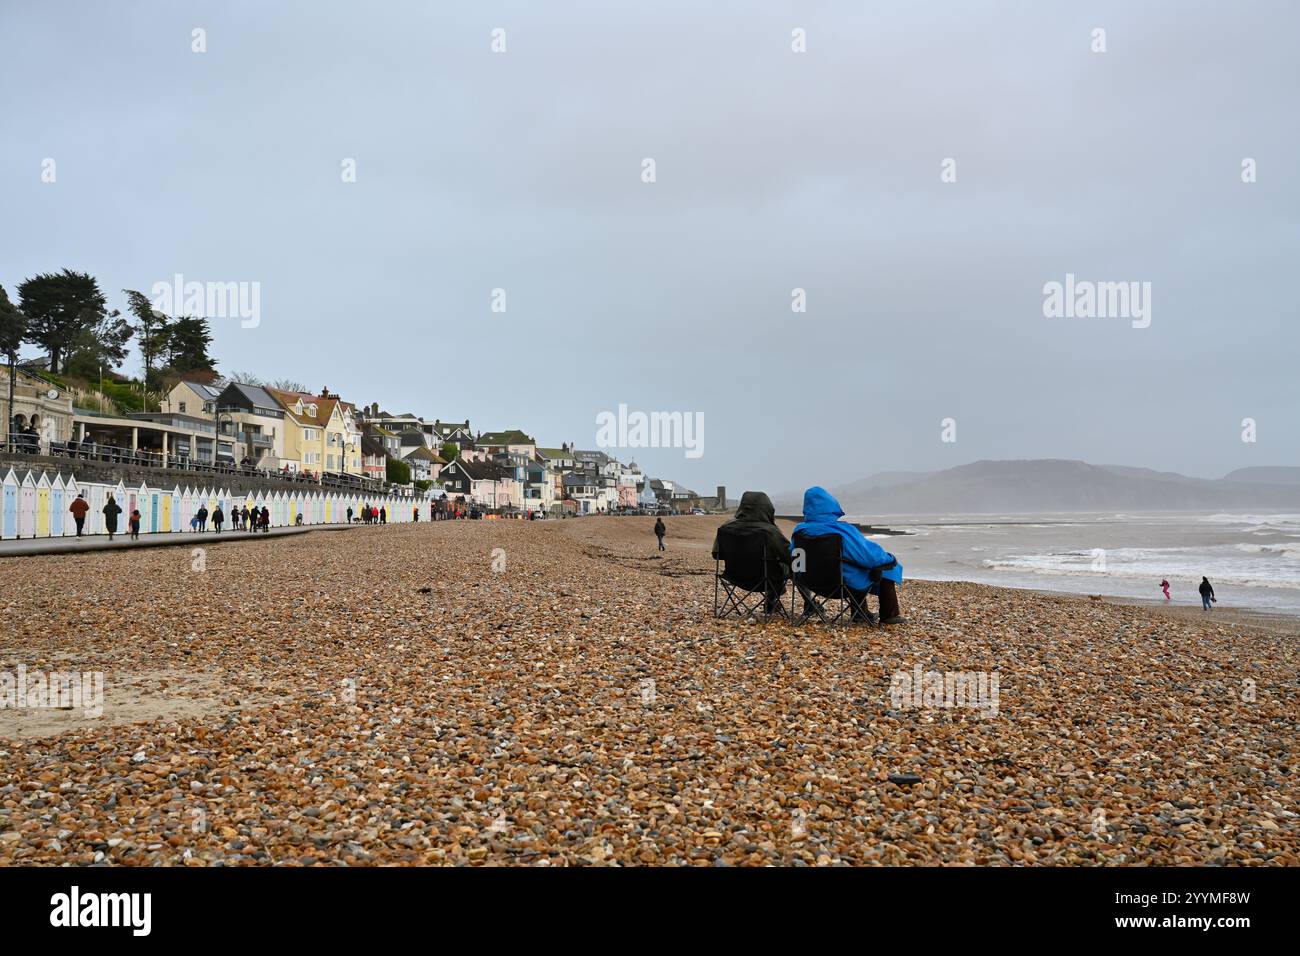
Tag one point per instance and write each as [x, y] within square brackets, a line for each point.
[868, 568]
[660, 531]
[1164, 586]
[111, 510]
[133, 523]
[79, 508]
[218, 519]
[1207, 595]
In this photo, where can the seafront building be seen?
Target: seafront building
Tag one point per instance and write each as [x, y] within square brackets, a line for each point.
[228, 427]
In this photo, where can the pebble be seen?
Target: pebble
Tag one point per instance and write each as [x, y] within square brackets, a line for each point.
[349, 717]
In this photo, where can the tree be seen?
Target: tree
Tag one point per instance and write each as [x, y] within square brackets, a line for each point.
[188, 342]
[60, 308]
[449, 451]
[13, 330]
[103, 346]
[246, 378]
[399, 472]
[153, 330]
[288, 385]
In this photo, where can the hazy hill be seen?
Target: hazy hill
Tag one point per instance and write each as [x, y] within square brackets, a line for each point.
[1051, 484]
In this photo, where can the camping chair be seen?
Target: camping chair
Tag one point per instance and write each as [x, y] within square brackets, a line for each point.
[744, 574]
[821, 579]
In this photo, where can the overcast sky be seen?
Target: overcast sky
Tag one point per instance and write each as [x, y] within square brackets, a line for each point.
[774, 170]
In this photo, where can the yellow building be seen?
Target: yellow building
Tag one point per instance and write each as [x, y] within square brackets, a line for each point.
[319, 432]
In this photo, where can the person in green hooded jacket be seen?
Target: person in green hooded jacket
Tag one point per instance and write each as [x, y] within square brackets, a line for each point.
[756, 513]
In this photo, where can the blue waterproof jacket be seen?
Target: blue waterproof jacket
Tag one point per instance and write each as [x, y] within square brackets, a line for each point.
[821, 514]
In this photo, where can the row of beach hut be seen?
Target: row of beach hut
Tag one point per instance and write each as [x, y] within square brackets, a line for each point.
[36, 506]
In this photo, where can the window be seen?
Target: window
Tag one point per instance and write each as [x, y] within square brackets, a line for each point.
[182, 408]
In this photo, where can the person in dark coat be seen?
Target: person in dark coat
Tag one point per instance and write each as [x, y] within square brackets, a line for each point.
[266, 518]
[218, 519]
[203, 517]
[1207, 594]
[111, 510]
[756, 514]
[660, 531]
[383, 515]
[79, 508]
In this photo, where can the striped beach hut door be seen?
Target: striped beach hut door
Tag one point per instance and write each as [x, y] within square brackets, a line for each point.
[43, 506]
[172, 508]
[70, 490]
[57, 507]
[94, 517]
[146, 513]
[27, 507]
[187, 507]
[154, 515]
[9, 514]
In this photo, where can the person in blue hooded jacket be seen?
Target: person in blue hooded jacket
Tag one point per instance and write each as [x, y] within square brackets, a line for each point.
[868, 568]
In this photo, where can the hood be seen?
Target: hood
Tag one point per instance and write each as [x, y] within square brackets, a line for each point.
[756, 506]
[820, 505]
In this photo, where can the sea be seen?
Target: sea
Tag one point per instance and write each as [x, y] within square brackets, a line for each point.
[1253, 560]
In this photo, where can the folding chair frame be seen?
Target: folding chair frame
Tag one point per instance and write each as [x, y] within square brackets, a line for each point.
[730, 598]
[815, 605]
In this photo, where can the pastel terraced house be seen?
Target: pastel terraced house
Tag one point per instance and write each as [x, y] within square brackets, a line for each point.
[320, 433]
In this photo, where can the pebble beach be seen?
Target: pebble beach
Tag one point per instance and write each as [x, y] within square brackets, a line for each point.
[557, 693]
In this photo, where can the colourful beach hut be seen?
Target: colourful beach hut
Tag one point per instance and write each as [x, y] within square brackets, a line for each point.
[70, 492]
[9, 507]
[57, 507]
[42, 507]
[27, 507]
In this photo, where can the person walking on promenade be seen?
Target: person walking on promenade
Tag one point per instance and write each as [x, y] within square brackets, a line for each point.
[1164, 586]
[266, 518]
[415, 514]
[660, 530]
[236, 518]
[203, 518]
[111, 510]
[383, 515]
[133, 523]
[349, 514]
[218, 519]
[79, 508]
[1207, 595]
